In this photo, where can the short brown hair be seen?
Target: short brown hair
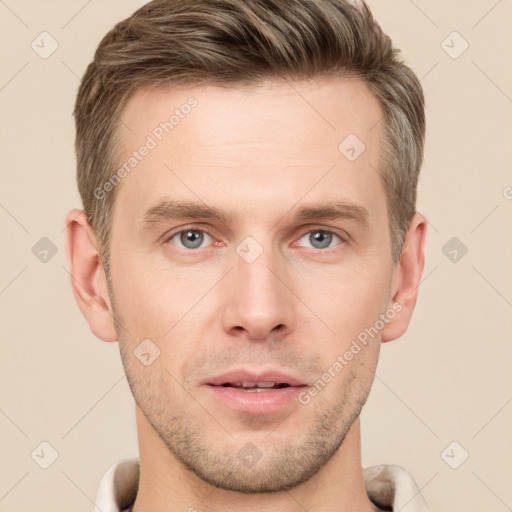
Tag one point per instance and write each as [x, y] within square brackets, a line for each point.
[237, 42]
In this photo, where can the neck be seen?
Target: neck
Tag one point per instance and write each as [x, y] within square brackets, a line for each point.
[166, 486]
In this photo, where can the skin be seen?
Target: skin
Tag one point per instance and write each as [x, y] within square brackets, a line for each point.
[258, 152]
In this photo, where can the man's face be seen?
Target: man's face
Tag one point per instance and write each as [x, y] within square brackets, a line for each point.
[261, 290]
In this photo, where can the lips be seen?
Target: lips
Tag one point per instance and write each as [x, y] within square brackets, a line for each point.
[245, 380]
[252, 392]
[258, 386]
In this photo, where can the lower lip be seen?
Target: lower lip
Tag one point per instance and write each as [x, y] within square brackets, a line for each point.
[256, 402]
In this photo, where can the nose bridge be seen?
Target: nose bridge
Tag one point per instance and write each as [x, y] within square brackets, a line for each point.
[258, 301]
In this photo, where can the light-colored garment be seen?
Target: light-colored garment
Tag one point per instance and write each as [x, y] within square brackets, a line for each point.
[387, 485]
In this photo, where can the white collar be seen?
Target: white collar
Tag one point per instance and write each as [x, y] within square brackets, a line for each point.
[387, 485]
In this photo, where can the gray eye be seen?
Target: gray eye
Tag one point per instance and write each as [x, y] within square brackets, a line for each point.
[320, 239]
[191, 238]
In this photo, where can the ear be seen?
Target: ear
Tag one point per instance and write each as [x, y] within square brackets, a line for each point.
[88, 279]
[406, 278]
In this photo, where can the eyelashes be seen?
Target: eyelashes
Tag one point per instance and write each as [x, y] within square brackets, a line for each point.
[193, 238]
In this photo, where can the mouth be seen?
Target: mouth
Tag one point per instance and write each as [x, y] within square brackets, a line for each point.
[246, 379]
[250, 392]
[255, 387]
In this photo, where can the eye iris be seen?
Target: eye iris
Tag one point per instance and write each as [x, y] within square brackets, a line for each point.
[320, 239]
[192, 238]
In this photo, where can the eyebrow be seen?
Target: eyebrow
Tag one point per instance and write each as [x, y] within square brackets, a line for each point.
[170, 209]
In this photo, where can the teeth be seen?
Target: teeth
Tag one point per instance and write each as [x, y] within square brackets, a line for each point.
[250, 386]
[259, 384]
[266, 384]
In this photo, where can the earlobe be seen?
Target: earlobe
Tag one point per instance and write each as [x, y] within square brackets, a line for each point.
[407, 278]
[88, 279]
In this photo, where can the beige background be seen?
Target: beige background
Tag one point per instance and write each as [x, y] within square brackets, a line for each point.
[448, 379]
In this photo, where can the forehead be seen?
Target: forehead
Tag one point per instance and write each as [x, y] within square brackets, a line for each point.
[253, 144]
[323, 109]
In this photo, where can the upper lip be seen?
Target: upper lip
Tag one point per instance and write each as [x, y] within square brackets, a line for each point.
[244, 375]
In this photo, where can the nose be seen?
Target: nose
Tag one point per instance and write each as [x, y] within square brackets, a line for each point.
[258, 302]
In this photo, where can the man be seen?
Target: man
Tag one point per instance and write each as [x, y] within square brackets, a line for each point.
[249, 237]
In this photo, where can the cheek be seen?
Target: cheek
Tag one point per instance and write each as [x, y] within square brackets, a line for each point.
[151, 300]
[159, 301]
[348, 300]
[168, 306]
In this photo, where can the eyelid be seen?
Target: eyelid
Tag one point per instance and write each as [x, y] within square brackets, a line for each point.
[169, 235]
[341, 234]
[343, 238]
